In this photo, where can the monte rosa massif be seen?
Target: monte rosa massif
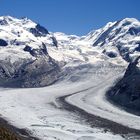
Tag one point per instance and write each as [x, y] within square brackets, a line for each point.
[66, 87]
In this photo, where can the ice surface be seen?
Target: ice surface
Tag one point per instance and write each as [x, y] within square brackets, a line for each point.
[38, 111]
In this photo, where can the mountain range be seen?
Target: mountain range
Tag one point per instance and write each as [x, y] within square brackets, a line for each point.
[31, 56]
[85, 72]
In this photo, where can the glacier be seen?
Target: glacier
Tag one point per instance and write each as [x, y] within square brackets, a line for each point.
[54, 85]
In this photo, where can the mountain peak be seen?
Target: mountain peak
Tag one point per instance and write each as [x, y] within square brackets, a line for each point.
[9, 20]
[130, 20]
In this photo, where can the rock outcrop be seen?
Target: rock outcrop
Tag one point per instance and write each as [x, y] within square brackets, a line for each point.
[126, 91]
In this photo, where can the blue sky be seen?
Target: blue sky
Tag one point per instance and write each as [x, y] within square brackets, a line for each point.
[71, 16]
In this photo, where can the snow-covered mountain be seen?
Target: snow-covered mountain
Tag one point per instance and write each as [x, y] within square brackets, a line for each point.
[24, 59]
[118, 38]
[29, 51]
[84, 68]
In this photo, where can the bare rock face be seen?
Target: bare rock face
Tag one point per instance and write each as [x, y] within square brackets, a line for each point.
[41, 72]
[126, 92]
[3, 42]
[39, 31]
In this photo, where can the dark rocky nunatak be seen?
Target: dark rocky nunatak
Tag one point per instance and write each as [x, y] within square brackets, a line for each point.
[126, 91]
